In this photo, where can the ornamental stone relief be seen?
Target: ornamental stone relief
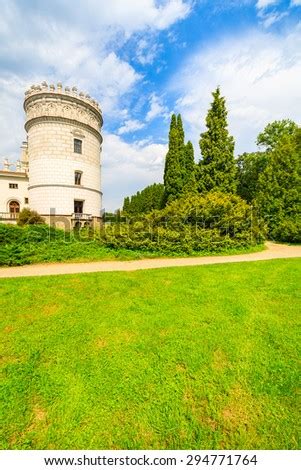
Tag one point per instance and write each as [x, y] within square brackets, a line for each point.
[69, 110]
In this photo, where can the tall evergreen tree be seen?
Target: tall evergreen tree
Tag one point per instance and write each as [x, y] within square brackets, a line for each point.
[180, 131]
[189, 180]
[126, 204]
[217, 169]
[172, 170]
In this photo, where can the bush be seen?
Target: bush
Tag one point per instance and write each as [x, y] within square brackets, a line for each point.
[211, 222]
[288, 230]
[29, 243]
[29, 217]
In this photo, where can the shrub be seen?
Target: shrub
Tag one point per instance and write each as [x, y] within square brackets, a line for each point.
[194, 223]
[288, 230]
[29, 217]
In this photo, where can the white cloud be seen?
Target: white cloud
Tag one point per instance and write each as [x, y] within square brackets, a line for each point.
[78, 46]
[272, 18]
[11, 117]
[296, 3]
[131, 125]
[171, 12]
[257, 75]
[129, 167]
[261, 4]
[147, 50]
[157, 108]
[135, 15]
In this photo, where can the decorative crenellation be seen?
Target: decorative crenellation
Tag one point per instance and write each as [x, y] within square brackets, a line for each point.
[58, 89]
[43, 102]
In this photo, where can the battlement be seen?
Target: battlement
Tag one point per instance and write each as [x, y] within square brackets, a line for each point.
[58, 89]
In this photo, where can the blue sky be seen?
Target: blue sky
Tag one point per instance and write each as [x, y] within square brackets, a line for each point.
[143, 60]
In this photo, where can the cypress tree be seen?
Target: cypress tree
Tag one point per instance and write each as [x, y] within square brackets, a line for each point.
[172, 170]
[126, 204]
[189, 183]
[181, 151]
[217, 169]
[181, 140]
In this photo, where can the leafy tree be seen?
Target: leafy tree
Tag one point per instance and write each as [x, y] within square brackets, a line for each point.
[217, 170]
[250, 166]
[273, 133]
[279, 190]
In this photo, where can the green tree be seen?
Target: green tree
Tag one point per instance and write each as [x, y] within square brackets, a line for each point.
[189, 179]
[279, 190]
[273, 133]
[217, 169]
[181, 133]
[126, 204]
[144, 201]
[249, 168]
[179, 172]
[172, 171]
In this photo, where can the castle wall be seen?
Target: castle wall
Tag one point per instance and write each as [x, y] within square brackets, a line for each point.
[8, 194]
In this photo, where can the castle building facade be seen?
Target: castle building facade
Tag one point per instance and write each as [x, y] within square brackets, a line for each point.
[59, 172]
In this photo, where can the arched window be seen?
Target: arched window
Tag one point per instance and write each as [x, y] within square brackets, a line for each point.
[14, 209]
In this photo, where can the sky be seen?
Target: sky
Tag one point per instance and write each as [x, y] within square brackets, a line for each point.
[145, 59]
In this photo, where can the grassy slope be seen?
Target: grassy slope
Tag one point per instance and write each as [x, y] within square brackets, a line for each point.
[198, 357]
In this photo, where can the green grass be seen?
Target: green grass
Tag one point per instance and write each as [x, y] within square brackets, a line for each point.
[179, 358]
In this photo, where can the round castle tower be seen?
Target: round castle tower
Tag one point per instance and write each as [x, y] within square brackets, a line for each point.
[64, 148]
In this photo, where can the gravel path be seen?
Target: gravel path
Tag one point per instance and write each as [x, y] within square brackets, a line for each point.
[273, 251]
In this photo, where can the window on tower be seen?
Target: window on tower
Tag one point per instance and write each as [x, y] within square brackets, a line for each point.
[77, 178]
[13, 185]
[78, 207]
[78, 146]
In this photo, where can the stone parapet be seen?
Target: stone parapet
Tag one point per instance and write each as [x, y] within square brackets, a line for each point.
[46, 102]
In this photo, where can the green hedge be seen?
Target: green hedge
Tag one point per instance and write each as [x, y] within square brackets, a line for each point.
[213, 222]
[37, 243]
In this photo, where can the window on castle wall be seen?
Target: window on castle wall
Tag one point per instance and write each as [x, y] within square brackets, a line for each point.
[78, 146]
[78, 207]
[14, 209]
[77, 177]
[26, 200]
[13, 186]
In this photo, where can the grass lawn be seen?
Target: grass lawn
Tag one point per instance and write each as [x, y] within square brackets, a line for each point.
[178, 358]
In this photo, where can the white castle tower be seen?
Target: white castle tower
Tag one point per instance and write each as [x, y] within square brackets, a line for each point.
[64, 149]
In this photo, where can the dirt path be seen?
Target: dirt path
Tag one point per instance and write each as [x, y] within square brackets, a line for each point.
[273, 251]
